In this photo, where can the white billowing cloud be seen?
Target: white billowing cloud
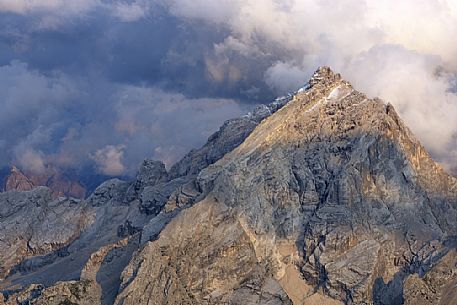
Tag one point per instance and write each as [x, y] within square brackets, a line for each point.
[168, 123]
[420, 93]
[27, 156]
[221, 11]
[60, 120]
[424, 26]
[129, 11]
[54, 12]
[44, 6]
[352, 26]
[31, 160]
[284, 77]
[109, 160]
[25, 91]
[401, 51]
[32, 107]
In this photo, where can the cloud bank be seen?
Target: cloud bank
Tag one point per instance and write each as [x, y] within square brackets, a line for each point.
[110, 82]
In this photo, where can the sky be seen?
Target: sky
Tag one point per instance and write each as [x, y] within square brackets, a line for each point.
[107, 83]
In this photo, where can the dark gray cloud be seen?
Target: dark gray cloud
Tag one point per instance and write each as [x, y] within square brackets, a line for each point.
[97, 89]
[159, 48]
[68, 121]
[107, 83]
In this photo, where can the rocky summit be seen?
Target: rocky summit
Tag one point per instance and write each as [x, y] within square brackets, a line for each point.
[322, 197]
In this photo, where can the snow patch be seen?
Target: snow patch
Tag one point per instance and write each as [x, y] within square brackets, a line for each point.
[334, 94]
[304, 88]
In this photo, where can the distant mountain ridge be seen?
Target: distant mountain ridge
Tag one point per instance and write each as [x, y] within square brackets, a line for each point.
[62, 183]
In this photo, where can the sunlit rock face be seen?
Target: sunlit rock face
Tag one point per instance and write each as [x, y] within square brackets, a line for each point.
[323, 197]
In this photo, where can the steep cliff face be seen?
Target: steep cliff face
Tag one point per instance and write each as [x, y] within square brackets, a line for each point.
[323, 197]
[33, 224]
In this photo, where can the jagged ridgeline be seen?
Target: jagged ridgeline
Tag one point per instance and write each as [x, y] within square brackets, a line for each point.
[323, 197]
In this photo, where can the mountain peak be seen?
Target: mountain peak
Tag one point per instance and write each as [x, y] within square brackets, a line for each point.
[331, 111]
[324, 76]
[323, 197]
[17, 180]
[327, 106]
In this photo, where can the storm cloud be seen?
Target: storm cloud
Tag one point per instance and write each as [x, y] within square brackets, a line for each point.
[109, 83]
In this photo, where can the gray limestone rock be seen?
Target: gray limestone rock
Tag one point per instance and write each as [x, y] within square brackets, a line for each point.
[438, 286]
[32, 223]
[231, 134]
[150, 173]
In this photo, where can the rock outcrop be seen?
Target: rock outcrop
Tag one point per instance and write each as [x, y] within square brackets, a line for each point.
[323, 197]
[33, 224]
[438, 286]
